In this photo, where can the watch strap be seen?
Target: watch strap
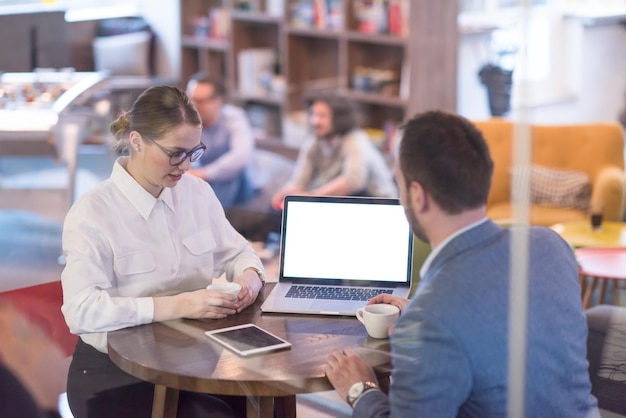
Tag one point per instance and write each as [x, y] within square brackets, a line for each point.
[366, 385]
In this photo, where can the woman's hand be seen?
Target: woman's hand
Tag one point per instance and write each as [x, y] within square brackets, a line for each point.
[201, 303]
[250, 287]
[205, 303]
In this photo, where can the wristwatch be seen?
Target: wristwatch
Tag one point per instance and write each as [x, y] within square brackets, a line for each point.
[357, 390]
[259, 273]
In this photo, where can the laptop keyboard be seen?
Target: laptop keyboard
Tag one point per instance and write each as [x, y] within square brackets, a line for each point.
[334, 293]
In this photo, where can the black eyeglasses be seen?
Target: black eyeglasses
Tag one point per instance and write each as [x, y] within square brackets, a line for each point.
[178, 157]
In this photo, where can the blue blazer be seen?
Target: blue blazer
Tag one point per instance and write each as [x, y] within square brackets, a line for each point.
[450, 344]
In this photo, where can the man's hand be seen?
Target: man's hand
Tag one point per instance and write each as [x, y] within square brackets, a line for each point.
[392, 300]
[277, 200]
[345, 368]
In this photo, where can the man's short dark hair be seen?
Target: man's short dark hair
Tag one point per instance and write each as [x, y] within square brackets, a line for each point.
[218, 86]
[342, 110]
[449, 157]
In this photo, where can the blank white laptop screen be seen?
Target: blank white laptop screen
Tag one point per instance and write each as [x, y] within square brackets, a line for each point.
[346, 241]
[339, 252]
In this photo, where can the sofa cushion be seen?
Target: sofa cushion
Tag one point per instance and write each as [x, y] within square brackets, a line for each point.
[557, 188]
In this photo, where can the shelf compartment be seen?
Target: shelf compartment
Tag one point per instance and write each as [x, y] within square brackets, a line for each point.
[208, 61]
[256, 46]
[313, 64]
[376, 69]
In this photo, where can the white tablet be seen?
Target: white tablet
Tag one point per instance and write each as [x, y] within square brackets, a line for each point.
[247, 339]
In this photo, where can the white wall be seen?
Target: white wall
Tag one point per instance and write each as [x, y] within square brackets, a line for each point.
[471, 94]
[601, 83]
[164, 18]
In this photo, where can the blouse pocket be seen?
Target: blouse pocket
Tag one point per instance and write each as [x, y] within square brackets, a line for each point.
[199, 243]
[135, 263]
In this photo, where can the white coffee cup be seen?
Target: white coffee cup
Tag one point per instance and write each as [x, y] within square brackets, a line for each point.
[378, 318]
[226, 287]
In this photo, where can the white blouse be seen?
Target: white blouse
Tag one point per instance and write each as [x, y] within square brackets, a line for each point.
[123, 246]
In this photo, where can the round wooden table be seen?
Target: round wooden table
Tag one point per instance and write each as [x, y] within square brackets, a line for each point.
[176, 355]
[601, 265]
[580, 234]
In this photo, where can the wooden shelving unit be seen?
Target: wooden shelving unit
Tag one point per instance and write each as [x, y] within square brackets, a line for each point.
[419, 64]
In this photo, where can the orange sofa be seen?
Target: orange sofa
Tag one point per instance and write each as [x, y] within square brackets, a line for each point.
[594, 149]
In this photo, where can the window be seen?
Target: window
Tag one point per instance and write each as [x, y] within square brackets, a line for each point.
[536, 42]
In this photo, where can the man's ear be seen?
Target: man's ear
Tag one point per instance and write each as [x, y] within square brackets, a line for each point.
[418, 196]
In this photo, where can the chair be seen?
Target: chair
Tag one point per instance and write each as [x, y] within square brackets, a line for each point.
[606, 345]
[42, 304]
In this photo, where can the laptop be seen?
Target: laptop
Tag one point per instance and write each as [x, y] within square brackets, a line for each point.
[336, 253]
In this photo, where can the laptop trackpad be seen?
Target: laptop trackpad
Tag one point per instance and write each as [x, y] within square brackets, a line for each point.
[336, 306]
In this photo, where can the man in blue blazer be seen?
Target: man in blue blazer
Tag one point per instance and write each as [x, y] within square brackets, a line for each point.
[450, 343]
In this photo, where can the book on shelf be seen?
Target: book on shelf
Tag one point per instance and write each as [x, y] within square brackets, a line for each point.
[275, 7]
[394, 14]
[334, 14]
[301, 14]
[255, 69]
[219, 24]
[404, 17]
[382, 16]
[320, 14]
